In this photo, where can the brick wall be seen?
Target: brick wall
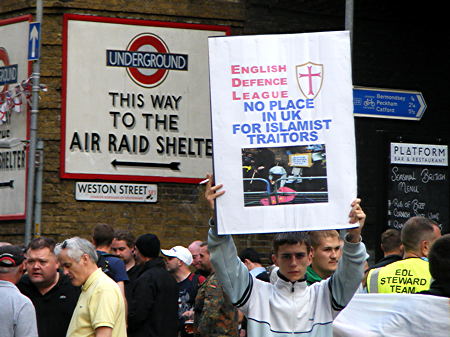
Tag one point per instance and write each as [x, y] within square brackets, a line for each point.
[181, 213]
[394, 46]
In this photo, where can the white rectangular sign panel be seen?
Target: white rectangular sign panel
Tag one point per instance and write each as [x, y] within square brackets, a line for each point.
[135, 99]
[14, 68]
[283, 131]
[419, 154]
[124, 192]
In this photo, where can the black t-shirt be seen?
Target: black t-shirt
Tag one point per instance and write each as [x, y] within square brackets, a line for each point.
[53, 309]
[133, 273]
[187, 291]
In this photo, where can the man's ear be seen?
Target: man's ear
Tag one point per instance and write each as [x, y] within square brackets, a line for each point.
[84, 258]
[274, 260]
[247, 262]
[310, 256]
[425, 246]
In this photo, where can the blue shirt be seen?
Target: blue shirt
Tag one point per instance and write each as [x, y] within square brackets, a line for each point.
[117, 267]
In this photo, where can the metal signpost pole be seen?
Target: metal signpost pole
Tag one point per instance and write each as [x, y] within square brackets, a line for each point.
[38, 187]
[349, 9]
[33, 137]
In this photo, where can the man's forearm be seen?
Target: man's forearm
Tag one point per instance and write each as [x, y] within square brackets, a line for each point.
[103, 331]
[230, 271]
[349, 274]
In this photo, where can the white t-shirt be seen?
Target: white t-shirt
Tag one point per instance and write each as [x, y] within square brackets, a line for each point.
[17, 314]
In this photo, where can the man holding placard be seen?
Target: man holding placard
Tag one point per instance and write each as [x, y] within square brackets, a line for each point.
[289, 306]
[290, 94]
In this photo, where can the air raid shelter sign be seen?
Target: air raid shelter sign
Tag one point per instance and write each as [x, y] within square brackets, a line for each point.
[14, 73]
[136, 99]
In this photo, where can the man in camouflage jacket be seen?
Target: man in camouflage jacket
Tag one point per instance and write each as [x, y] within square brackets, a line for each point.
[215, 315]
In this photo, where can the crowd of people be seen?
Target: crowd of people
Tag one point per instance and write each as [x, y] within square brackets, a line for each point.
[116, 285]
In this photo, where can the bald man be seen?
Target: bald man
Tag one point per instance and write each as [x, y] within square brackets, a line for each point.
[194, 248]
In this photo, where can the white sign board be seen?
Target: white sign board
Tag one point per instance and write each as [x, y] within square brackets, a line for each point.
[394, 315]
[123, 192]
[283, 131]
[419, 154]
[14, 68]
[136, 100]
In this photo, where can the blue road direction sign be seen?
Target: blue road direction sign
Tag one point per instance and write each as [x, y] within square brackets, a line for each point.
[388, 103]
[34, 41]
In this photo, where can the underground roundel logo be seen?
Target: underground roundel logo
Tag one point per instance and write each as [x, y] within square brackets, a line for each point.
[147, 60]
[8, 72]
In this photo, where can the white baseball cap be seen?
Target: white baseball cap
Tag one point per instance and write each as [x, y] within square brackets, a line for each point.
[180, 253]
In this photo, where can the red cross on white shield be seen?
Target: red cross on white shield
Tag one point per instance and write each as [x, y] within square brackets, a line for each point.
[309, 78]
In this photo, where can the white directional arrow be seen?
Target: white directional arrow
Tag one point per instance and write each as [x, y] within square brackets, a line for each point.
[423, 106]
[34, 37]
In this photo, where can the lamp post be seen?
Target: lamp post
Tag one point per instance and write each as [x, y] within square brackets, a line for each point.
[33, 137]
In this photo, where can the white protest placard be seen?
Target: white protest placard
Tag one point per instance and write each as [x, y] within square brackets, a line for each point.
[393, 315]
[135, 100]
[14, 69]
[283, 131]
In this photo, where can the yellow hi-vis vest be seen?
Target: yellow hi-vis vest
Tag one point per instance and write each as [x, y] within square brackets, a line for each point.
[410, 275]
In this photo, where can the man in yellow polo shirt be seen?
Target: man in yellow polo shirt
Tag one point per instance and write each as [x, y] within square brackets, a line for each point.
[100, 310]
[411, 274]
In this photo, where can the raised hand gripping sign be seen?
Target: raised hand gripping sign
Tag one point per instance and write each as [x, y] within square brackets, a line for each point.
[283, 131]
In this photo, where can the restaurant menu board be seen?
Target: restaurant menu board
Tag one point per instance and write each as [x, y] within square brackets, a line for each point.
[418, 183]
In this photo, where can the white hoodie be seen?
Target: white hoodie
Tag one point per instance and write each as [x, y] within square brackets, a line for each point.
[286, 308]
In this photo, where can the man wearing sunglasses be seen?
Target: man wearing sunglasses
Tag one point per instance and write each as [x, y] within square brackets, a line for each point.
[289, 306]
[178, 259]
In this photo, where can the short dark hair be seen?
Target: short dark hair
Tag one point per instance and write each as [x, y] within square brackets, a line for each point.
[439, 259]
[103, 235]
[250, 254]
[126, 236]
[390, 240]
[415, 230]
[42, 242]
[148, 245]
[291, 238]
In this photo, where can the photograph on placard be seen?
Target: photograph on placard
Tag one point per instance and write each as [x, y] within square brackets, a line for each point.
[284, 175]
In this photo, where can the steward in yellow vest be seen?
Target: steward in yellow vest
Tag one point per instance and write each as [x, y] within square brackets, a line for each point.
[410, 275]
